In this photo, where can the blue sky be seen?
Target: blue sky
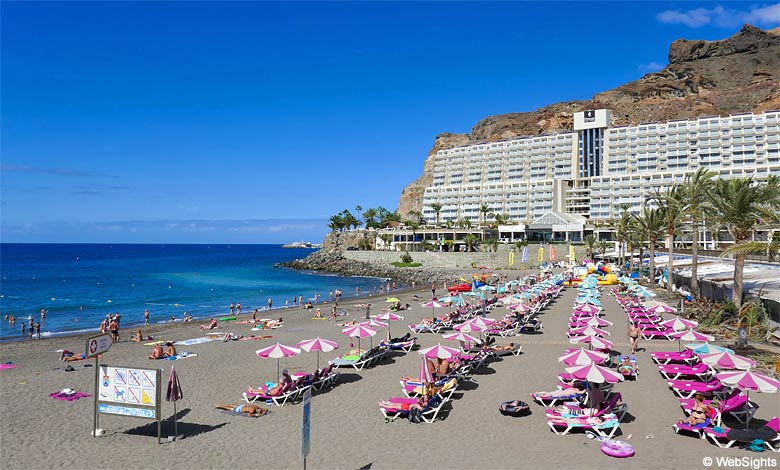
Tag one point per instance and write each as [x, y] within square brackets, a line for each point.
[254, 122]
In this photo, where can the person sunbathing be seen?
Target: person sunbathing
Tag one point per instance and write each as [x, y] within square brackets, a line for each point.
[422, 402]
[212, 325]
[170, 350]
[505, 347]
[401, 339]
[626, 368]
[698, 413]
[577, 388]
[157, 352]
[253, 411]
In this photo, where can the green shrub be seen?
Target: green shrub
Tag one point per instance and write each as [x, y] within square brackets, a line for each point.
[406, 258]
[399, 264]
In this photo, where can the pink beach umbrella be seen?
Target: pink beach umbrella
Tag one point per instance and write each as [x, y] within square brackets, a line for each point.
[360, 331]
[595, 373]
[440, 352]
[468, 327]
[390, 316]
[596, 321]
[587, 308]
[590, 331]
[749, 381]
[690, 335]
[583, 357]
[662, 308]
[679, 324]
[593, 341]
[484, 322]
[278, 351]
[426, 377]
[434, 304]
[318, 344]
[520, 308]
[727, 360]
[461, 336]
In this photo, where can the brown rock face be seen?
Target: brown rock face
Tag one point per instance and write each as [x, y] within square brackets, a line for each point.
[737, 74]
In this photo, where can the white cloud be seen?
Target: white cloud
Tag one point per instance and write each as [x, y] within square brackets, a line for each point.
[719, 17]
[650, 67]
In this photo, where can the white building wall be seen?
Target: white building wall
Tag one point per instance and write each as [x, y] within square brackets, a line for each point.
[515, 177]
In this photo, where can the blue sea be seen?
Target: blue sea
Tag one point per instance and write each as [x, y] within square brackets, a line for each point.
[80, 283]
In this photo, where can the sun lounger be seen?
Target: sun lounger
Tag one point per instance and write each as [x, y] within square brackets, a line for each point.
[405, 346]
[549, 401]
[417, 329]
[611, 405]
[689, 388]
[606, 428]
[666, 357]
[697, 429]
[736, 404]
[429, 413]
[367, 359]
[445, 388]
[699, 370]
[515, 351]
[721, 437]
[654, 333]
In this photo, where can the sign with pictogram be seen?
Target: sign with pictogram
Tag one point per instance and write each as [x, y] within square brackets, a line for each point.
[98, 345]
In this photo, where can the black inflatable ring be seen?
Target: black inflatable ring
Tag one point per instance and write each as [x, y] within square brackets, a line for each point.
[509, 408]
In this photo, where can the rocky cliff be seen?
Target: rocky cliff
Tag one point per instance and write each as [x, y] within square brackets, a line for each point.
[738, 74]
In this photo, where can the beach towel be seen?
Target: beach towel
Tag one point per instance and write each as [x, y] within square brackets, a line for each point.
[233, 413]
[190, 342]
[155, 342]
[247, 322]
[249, 338]
[227, 318]
[183, 355]
[7, 366]
[68, 395]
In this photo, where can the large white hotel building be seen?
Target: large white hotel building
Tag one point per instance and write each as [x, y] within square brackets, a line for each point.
[586, 175]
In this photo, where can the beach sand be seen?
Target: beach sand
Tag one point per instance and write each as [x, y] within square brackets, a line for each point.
[347, 429]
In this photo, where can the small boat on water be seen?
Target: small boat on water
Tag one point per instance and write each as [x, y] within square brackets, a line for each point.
[301, 244]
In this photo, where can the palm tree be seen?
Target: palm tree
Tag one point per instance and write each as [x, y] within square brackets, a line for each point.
[370, 217]
[418, 215]
[464, 223]
[388, 239]
[590, 244]
[651, 223]
[622, 227]
[359, 210]
[672, 201]
[471, 241]
[603, 247]
[437, 209]
[503, 219]
[737, 204]
[696, 186]
[484, 210]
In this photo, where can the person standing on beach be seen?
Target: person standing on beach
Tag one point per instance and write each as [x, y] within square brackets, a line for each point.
[24, 329]
[238, 308]
[433, 289]
[146, 316]
[270, 303]
[232, 308]
[38, 330]
[113, 328]
[300, 300]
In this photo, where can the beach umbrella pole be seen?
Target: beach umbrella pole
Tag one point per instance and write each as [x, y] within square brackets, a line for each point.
[175, 422]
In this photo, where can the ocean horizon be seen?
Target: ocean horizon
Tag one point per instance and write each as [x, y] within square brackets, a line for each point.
[80, 283]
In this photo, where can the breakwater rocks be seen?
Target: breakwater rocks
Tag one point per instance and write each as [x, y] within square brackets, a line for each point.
[334, 262]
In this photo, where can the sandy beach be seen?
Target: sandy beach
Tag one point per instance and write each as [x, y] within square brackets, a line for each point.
[348, 431]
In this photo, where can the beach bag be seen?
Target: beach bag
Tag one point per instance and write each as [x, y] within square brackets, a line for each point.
[415, 415]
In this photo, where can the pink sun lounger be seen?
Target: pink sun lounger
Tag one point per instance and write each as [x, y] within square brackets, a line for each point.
[689, 388]
[665, 357]
[606, 428]
[674, 371]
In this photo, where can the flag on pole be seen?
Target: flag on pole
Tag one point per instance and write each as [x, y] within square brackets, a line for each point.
[541, 254]
[572, 255]
[511, 258]
[552, 253]
[525, 254]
